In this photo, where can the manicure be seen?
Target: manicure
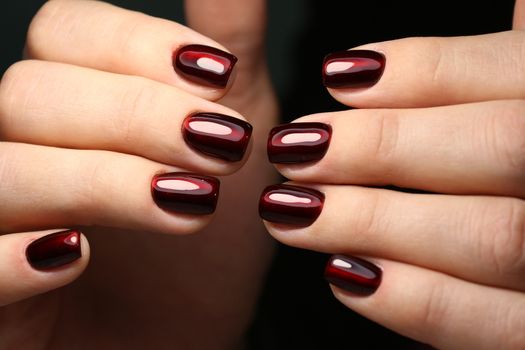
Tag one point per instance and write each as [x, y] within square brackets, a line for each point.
[54, 250]
[204, 65]
[298, 142]
[185, 193]
[217, 135]
[353, 69]
[291, 205]
[352, 274]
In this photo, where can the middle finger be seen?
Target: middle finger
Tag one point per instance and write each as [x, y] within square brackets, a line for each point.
[75, 107]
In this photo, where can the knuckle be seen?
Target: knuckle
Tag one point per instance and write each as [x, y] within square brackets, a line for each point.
[384, 138]
[137, 102]
[510, 321]
[127, 36]
[49, 19]
[432, 315]
[504, 246]
[371, 219]
[509, 128]
[14, 88]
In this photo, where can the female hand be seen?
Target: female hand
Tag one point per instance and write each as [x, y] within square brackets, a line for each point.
[86, 124]
[443, 115]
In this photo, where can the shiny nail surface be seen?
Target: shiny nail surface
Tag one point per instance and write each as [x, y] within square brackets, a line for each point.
[290, 205]
[217, 135]
[353, 69]
[352, 274]
[298, 142]
[185, 193]
[204, 65]
[54, 250]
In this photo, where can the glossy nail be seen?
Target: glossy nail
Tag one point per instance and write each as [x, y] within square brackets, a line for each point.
[298, 142]
[185, 193]
[204, 64]
[353, 69]
[217, 135]
[291, 205]
[54, 250]
[352, 274]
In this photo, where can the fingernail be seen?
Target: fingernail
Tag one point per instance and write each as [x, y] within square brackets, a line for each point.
[185, 193]
[352, 274]
[298, 142]
[217, 135]
[54, 250]
[353, 69]
[204, 64]
[291, 205]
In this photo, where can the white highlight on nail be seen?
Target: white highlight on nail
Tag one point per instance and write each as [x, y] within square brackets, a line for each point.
[288, 198]
[211, 65]
[210, 128]
[341, 263]
[334, 67]
[178, 185]
[301, 137]
[73, 239]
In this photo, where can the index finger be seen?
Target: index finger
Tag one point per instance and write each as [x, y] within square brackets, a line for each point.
[101, 36]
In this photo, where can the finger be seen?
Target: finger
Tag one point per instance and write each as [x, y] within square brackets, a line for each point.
[475, 238]
[98, 35]
[431, 307]
[466, 149]
[32, 263]
[519, 15]
[423, 72]
[119, 113]
[101, 188]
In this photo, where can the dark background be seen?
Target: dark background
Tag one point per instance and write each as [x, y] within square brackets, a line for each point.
[297, 309]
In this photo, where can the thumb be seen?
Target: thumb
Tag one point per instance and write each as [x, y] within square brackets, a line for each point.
[519, 15]
[239, 25]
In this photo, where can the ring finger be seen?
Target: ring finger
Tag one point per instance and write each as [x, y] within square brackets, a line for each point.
[475, 238]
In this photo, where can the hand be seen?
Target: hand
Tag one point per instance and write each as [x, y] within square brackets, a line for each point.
[443, 115]
[85, 125]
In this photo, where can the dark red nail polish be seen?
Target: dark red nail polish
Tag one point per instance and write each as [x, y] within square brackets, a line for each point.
[54, 250]
[291, 205]
[185, 193]
[217, 135]
[352, 274]
[298, 142]
[204, 64]
[353, 69]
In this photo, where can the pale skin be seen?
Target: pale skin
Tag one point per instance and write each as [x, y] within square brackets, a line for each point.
[92, 117]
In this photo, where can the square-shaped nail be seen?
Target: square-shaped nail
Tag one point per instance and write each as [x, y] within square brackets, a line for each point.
[185, 193]
[353, 69]
[298, 142]
[217, 135]
[204, 65]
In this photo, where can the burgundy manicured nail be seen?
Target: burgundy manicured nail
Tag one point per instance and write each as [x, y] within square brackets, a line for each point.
[217, 135]
[291, 205]
[185, 193]
[204, 64]
[298, 142]
[352, 274]
[353, 69]
[54, 250]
